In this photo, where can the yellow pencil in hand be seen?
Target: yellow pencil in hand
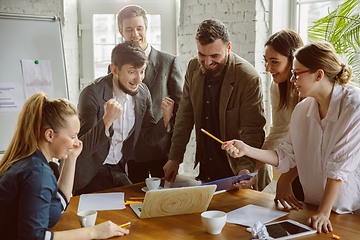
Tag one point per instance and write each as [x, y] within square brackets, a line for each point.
[125, 224]
[210, 135]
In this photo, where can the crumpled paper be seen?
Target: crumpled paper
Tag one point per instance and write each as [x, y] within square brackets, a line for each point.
[259, 231]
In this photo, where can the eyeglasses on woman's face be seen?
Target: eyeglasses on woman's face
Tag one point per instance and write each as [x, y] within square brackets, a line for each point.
[295, 74]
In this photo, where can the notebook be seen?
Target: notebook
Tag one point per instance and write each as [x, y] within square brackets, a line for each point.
[174, 201]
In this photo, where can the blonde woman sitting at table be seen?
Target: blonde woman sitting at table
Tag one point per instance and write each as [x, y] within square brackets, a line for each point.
[323, 140]
[31, 201]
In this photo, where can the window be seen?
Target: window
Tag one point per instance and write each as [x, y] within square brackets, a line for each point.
[98, 32]
[106, 35]
[310, 11]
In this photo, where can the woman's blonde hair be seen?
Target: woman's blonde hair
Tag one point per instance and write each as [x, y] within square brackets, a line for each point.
[38, 114]
[322, 55]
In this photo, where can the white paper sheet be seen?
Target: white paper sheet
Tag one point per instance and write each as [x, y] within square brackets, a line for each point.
[11, 97]
[37, 77]
[250, 214]
[101, 201]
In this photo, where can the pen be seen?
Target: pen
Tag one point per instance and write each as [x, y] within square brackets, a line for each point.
[125, 224]
[210, 135]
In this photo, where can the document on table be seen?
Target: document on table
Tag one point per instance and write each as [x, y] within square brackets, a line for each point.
[101, 201]
[250, 214]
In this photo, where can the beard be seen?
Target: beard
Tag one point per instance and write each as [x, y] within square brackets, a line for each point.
[213, 72]
[126, 90]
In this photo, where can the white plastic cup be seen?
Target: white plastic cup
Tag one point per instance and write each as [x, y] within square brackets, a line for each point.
[87, 218]
[214, 221]
[153, 183]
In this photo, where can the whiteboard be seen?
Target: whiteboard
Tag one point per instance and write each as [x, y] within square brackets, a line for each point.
[28, 37]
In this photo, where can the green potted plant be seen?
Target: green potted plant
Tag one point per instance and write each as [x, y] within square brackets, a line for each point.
[341, 27]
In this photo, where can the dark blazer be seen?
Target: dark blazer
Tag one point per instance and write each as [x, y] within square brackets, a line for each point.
[96, 144]
[164, 78]
[241, 112]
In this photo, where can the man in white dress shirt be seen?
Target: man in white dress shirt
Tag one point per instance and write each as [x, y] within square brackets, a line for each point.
[113, 111]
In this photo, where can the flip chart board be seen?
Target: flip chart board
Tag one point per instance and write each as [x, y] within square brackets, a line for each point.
[28, 37]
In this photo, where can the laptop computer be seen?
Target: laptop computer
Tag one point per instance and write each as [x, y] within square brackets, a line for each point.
[174, 201]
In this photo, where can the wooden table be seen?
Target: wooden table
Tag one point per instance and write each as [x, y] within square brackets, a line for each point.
[186, 227]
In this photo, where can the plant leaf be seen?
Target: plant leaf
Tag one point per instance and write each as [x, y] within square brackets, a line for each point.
[341, 28]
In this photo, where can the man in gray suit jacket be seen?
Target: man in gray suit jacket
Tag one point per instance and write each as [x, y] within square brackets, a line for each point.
[163, 78]
[113, 110]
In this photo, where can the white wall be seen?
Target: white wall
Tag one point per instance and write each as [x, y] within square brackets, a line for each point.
[262, 32]
[38, 7]
[71, 48]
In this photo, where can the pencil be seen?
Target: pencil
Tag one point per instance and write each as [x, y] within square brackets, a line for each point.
[137, 198]
[131, 202]
[125, 224]
[210, 135]
[170, 183]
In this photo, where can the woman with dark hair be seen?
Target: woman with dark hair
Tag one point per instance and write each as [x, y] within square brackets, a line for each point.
[278, 57]
[31, 201]
[324, 135]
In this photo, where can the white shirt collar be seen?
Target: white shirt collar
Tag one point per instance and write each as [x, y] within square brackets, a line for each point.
[148, 50]
[334, 106]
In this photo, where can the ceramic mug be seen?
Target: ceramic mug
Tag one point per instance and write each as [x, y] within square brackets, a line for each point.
[214, 221]
[153, 183]
[87, 218]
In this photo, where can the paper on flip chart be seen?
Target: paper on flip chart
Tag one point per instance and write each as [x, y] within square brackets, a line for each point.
[101, 201]
[250, 214]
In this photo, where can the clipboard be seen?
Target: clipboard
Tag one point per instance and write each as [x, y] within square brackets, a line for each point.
[227, 183]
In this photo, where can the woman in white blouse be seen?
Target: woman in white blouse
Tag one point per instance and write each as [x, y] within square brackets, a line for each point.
[278, 57]
[323, 140]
